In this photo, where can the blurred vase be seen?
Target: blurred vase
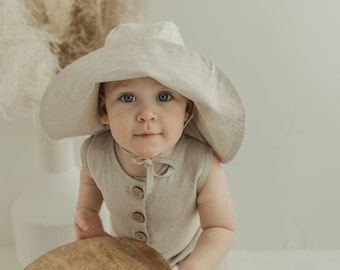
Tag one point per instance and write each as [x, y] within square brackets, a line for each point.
[43, 214]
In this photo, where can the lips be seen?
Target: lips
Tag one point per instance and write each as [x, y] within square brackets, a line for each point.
[147, 135]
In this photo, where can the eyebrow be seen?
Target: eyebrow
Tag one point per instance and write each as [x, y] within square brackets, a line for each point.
[114, 85]
[118, 84]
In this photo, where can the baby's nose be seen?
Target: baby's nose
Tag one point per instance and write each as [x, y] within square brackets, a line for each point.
[146, 114]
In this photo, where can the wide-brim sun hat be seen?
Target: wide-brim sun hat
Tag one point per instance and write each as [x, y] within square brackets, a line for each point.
[69, 106]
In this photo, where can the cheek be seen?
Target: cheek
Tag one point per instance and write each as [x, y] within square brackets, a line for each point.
[119, 127]
[175, 123]
[182, 116]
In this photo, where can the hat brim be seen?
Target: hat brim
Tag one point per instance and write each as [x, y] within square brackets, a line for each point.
[70, 104]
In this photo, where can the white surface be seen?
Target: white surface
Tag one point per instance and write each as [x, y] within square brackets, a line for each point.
[8, 259]
[53, 199]
[284, 260]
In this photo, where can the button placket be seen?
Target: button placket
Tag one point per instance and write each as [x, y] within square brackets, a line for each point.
[138, 213]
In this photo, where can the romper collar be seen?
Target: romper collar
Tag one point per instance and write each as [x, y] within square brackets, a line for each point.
[150, 169]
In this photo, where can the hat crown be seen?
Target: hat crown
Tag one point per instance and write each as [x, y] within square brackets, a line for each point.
[161, 30]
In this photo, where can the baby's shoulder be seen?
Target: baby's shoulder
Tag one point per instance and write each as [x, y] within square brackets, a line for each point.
[190, 143]
[192, 148]
[97, 141]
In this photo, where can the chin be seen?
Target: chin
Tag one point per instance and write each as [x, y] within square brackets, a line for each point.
[149, 155]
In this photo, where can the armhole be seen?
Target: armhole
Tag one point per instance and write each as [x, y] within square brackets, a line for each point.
[206, 169]
[84, 154]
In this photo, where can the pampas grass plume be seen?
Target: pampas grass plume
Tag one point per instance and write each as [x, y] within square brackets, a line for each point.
[26, 61]
[39, 37]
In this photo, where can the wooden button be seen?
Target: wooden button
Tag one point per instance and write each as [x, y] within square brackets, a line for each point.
[141, 237]
[137, 193]
[138, 217]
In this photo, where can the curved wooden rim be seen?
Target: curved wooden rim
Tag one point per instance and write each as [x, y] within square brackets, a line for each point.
[101, 253]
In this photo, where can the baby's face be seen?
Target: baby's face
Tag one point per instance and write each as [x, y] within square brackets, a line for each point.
[144, 116]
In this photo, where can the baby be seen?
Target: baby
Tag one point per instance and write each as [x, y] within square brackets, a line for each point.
[162, 119]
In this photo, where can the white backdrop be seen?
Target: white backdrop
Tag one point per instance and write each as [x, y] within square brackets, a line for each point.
[284, 58]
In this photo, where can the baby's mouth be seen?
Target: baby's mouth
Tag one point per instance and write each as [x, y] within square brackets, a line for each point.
[147, 135]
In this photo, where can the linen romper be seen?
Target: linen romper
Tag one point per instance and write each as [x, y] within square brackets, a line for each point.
[164, 217]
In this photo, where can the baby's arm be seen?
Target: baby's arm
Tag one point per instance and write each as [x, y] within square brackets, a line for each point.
[87, 220]
[217, 221]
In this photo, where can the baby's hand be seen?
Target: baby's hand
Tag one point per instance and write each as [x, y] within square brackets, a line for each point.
[88, 224]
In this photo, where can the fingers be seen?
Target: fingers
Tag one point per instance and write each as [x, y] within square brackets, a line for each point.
[81, 223]
[88, 224]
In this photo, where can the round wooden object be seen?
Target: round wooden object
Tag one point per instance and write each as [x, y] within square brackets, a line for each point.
[104, 253]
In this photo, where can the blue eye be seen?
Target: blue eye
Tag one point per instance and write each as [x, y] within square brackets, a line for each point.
[164, 97]
[127, 98]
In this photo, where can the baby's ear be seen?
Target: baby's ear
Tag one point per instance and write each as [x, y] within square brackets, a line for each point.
[102, 106]
[103, 114]
[190, 107]
[188, 110]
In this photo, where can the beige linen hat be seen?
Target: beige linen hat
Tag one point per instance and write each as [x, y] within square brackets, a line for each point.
[70, 104]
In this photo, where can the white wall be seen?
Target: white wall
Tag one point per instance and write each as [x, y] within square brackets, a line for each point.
[19, 164]
[284, 58]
